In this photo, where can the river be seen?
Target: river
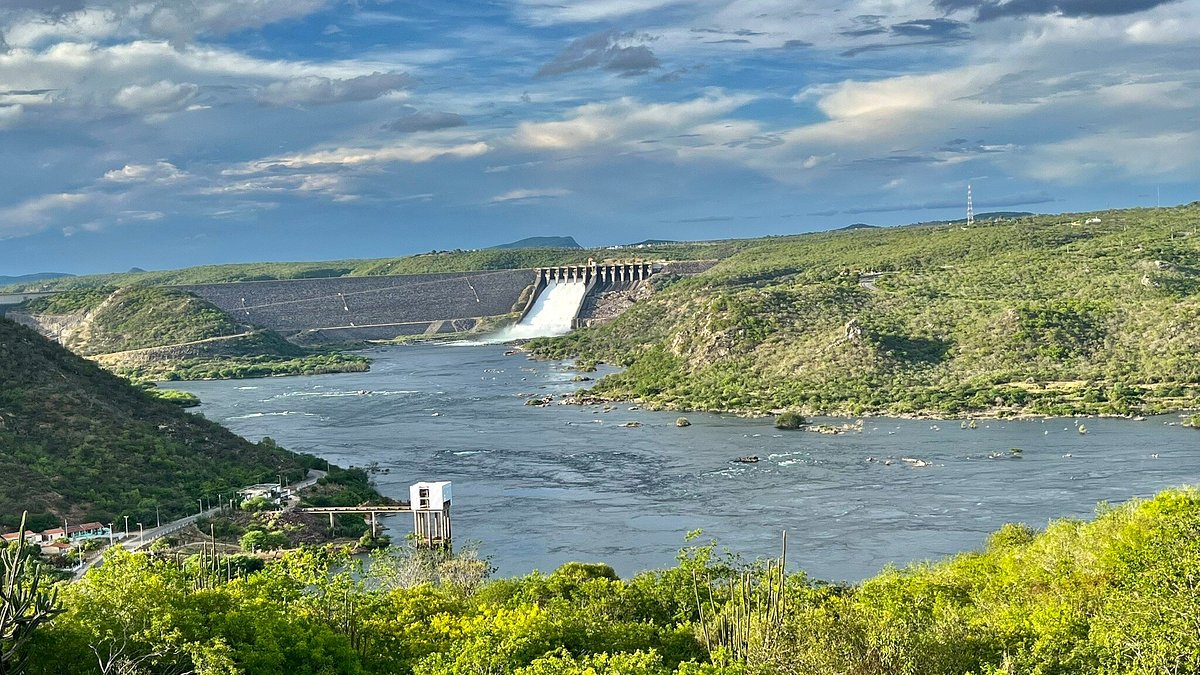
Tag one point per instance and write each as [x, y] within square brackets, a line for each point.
[537, 487]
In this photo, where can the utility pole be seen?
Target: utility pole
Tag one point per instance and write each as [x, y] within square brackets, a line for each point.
[201, 500]
[157, 517]
[141, 532]
[970, 208]
[126, 526]
[110, 534]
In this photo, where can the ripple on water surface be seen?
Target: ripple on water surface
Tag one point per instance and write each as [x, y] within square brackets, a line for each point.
[542, 486]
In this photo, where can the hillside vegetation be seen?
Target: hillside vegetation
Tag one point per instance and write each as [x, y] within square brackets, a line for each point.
[1116, 595]
[79, 443]
[1094, 312]
[426, 263]
[149, 332]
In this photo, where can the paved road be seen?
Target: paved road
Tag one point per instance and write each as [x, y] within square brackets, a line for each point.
[147, 537]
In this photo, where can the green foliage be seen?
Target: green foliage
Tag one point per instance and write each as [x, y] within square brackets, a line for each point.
[81, 443]
[72, 301]
[789, 420]
[183, 399]
[242, 367]
[263, 540]
[1115, 595]
[1044, 314]
[257, 504]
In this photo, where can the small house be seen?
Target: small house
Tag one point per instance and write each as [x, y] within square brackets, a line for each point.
[30, 537]
[74, 533]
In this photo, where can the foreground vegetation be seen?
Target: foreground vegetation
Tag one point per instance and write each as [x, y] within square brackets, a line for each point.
[1116, 595]
[80, 444]
[1086, 313]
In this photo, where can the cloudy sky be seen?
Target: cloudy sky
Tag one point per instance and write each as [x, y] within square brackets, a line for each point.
[163, 133]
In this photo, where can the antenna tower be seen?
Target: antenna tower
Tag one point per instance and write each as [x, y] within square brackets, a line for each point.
[970, 208]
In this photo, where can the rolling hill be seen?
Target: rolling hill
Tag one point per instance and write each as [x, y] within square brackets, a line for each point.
[79, 443]
[151, 332]
[1096, 312]
[541, 242]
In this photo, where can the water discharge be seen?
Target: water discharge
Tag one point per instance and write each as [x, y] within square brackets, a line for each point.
[551, 314]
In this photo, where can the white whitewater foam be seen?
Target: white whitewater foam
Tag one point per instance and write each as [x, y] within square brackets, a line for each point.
[551, 314]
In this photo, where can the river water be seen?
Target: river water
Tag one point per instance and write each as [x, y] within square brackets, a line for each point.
[541, 486]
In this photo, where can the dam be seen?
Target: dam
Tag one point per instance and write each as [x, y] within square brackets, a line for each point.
[547, 301]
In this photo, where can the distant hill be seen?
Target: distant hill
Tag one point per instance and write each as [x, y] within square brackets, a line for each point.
[993, 215]
[859, 226]
[81, 444]
[31, 278]
[542, 242]
[653, 242]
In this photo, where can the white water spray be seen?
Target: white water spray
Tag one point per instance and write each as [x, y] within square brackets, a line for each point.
[551, 314]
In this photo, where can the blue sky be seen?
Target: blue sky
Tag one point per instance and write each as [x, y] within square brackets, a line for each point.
[165, 133]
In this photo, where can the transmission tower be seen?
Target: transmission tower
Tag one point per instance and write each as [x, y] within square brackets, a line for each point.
[970, 208]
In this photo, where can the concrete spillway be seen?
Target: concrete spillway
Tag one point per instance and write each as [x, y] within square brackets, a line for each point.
[553, 313]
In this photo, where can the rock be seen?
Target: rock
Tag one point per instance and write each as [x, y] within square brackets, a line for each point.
[683, 422]
[853, 330]
[632, 425]
[748, 459]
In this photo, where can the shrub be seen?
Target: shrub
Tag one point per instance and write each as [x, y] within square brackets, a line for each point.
[790, 421]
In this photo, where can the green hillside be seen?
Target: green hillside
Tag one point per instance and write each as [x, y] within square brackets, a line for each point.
[152, 332]
[1095, 312]
[79, 443]
[1116, 595]
[425, 263]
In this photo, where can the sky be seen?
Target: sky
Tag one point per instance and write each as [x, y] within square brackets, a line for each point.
[168, 133]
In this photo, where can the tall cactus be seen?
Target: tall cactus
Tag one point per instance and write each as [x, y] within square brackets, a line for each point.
[23, 605]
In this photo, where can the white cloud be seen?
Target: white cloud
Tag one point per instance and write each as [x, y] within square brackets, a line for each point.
[625, 120]
[159, 172]
[529, 195]
[543, 13]
[313, 89]
[10, 115]
[162, 96]
[353, 157]
[186, 19]
[178, 20]
[1113, 154]
[39, 213]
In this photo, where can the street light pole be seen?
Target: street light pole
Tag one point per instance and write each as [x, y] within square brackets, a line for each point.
[110, 537]
[141, 532]
[157, 517]
[201, 500]
[126, 527]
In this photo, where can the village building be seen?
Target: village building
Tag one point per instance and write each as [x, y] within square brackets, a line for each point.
[74, 533]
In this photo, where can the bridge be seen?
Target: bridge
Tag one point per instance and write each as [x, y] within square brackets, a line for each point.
[372, 511]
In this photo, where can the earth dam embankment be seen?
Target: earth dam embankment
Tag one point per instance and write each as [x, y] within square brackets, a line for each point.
[344, 309]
